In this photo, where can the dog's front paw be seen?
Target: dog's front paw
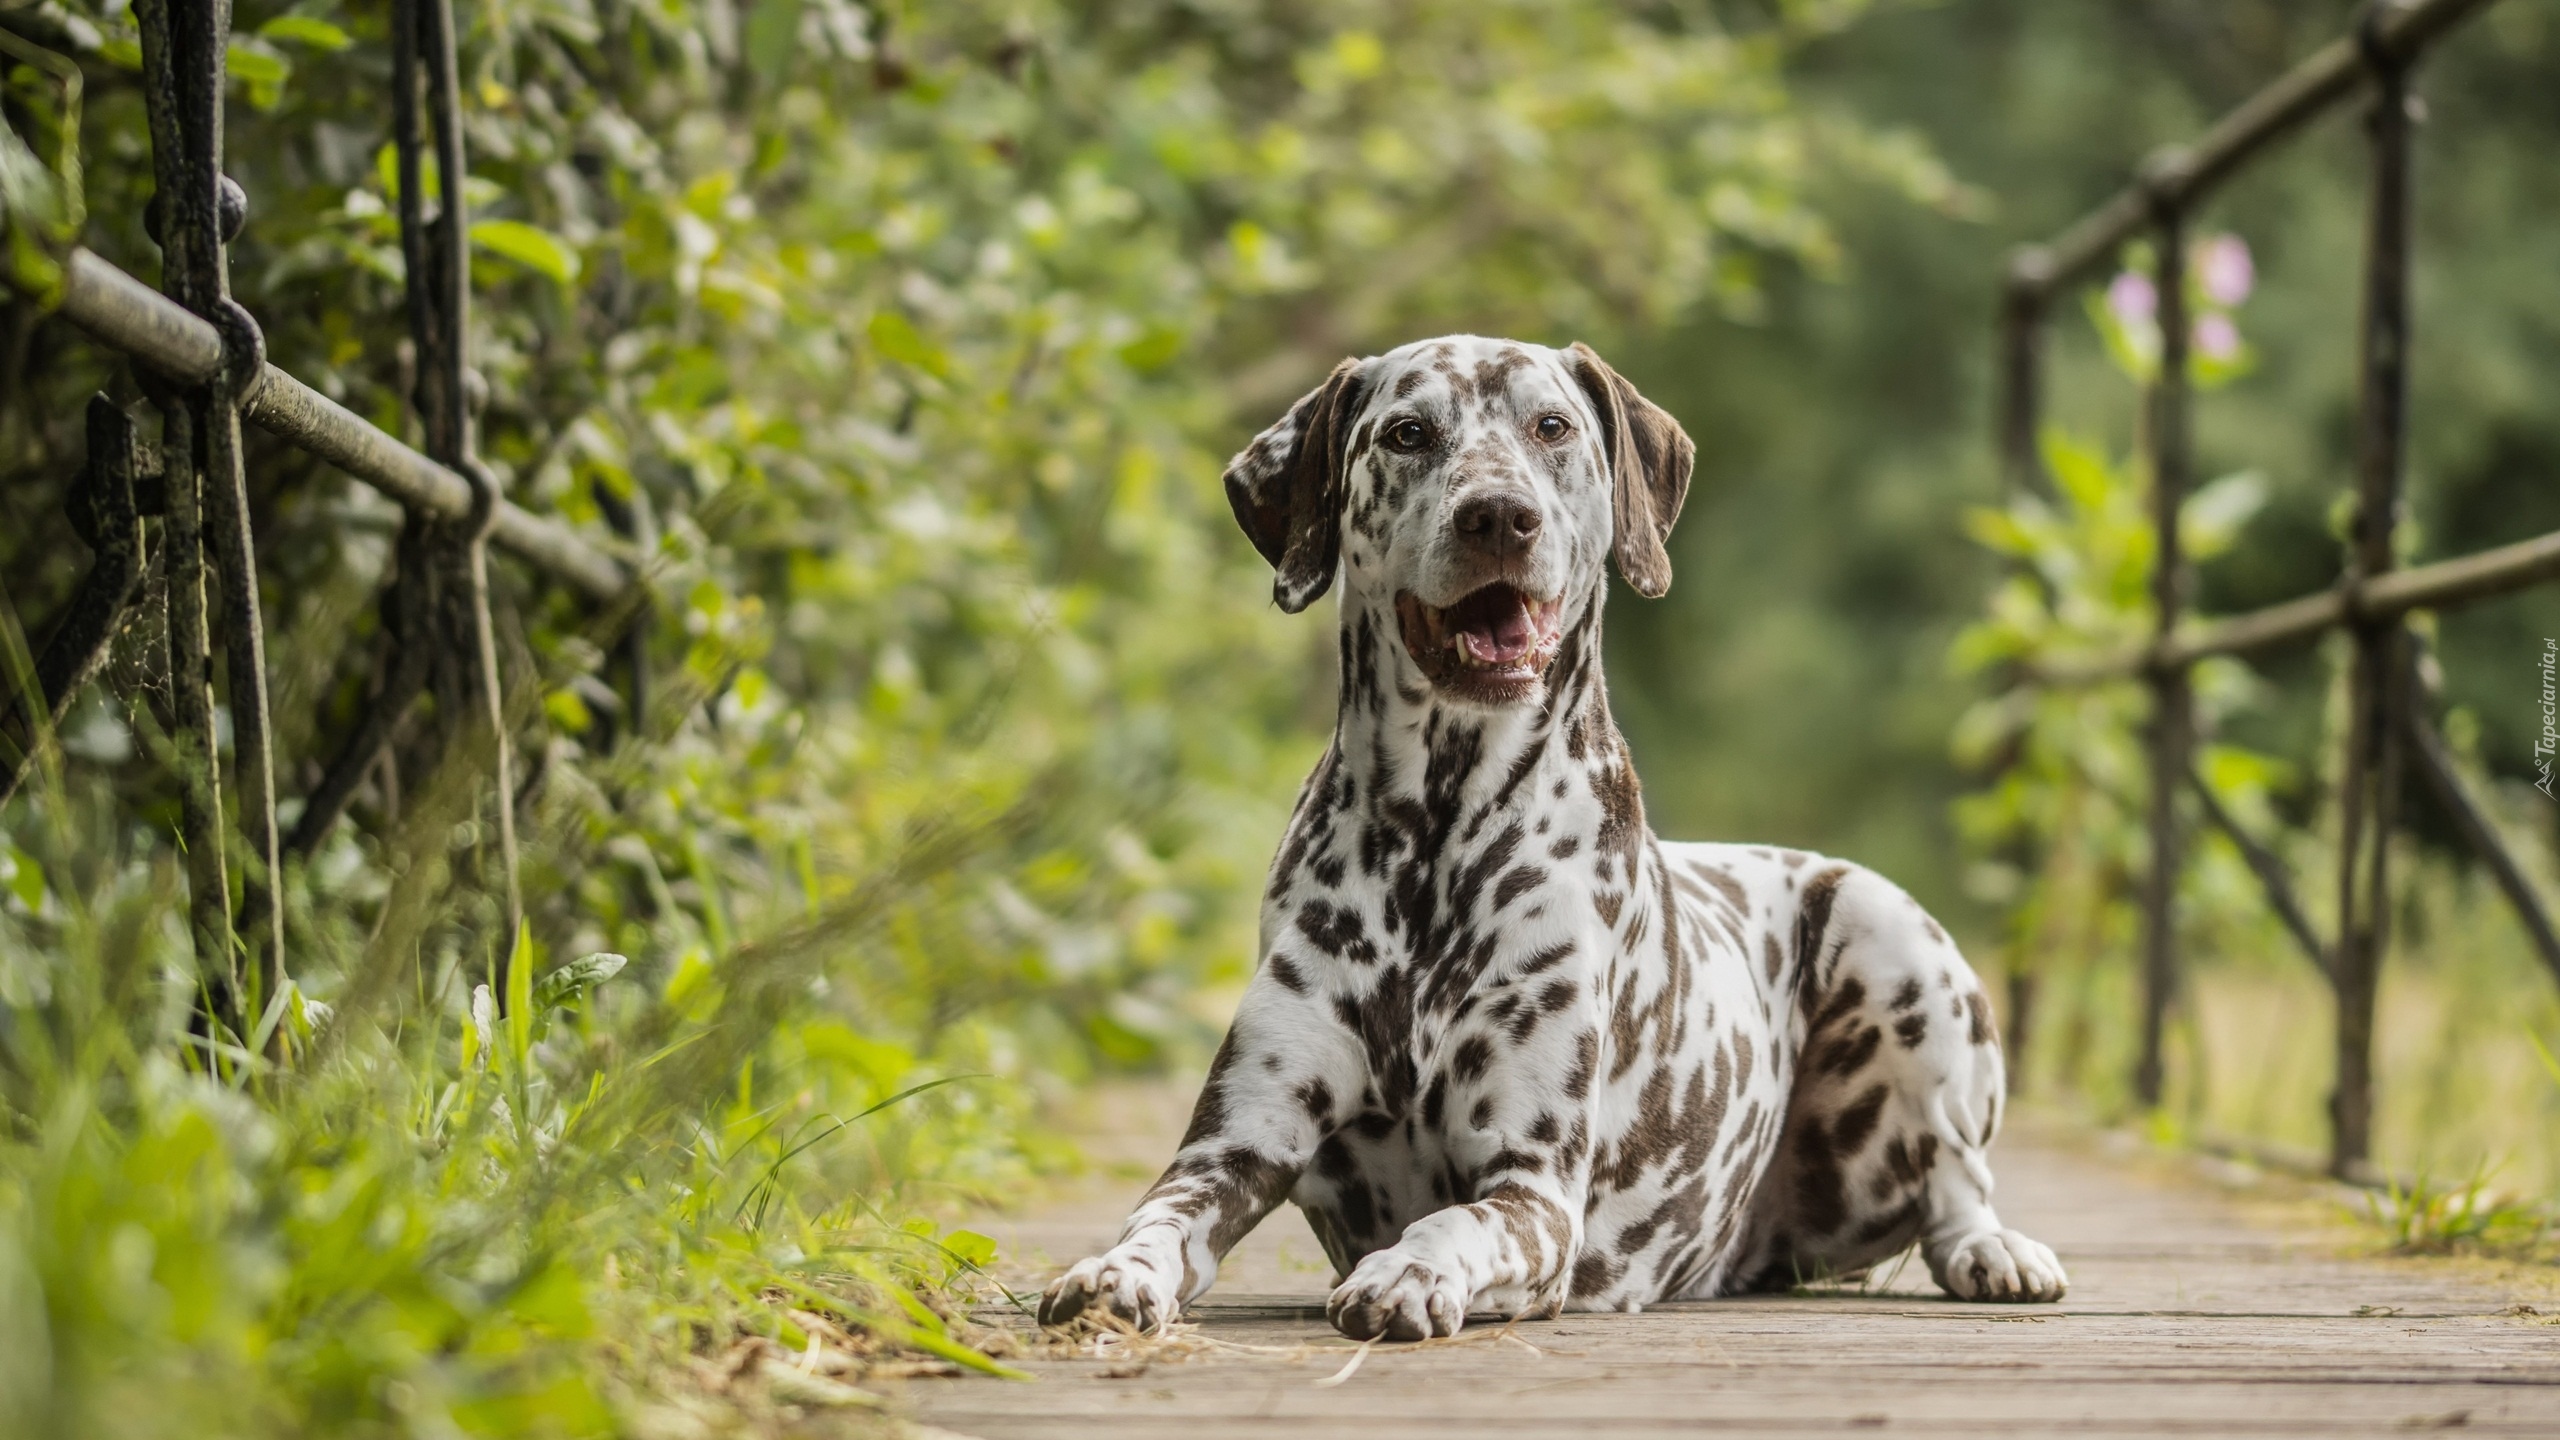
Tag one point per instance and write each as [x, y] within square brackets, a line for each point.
[1998, 1266]
[1127, 1281]
[1399, 1296]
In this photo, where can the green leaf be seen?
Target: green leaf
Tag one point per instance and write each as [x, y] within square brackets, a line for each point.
[2213, 516]
[261, 68]
[564, 985]
[527, 245]
[969, 1247]
[307, 30]
[24, 877]
[568, 710]
[386, 168]
[896, 337]
[1999, 530]
[520, 997]
[1160, 346]
[773, 37]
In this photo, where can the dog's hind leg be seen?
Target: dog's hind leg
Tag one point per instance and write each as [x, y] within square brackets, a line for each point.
[1895, 1100]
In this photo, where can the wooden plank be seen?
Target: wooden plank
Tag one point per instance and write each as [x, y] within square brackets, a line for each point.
[2185, 1318]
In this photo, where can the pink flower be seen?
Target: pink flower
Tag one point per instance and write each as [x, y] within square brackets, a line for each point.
[2132, 299]
[2224, 270]
[2216, 338]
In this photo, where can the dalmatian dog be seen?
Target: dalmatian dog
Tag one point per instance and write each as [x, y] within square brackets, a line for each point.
[1509, 1051]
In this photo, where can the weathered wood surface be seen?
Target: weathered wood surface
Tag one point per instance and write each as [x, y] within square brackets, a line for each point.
[2186, 1317]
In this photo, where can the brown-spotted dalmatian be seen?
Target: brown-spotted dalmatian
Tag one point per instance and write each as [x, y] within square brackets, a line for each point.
[1506, 1049]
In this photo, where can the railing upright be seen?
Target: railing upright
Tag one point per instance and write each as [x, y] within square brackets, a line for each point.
[2369, 787]
[2387, 720]
[2165, 434]
[198, 210]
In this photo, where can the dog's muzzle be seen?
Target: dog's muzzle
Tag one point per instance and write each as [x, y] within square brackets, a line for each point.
[1493, 646]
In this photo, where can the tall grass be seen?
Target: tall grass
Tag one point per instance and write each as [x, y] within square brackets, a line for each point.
[2460, 1083]
[448, 1211]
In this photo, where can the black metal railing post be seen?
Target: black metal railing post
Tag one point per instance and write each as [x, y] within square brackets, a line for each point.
[105, 509]
[194, 211]
[438, 250]
[2172, 724]
[2021, 404]
[2369, 785]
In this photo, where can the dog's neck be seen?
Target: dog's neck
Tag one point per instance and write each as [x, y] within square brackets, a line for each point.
[1449, 768]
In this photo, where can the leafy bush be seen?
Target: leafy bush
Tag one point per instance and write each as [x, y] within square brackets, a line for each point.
[910, 339]
[2059, 835]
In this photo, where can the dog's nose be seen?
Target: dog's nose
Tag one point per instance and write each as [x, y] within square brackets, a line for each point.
[1498, 522]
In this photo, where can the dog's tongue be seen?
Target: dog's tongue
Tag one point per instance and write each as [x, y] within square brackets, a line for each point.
[1495, 629]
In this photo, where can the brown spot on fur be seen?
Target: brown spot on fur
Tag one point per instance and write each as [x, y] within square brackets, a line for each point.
[1728, 886]
[1847, 1054]
[1472, 1059]
[1593, 1274]
[1521, 880]
[1849, 1131]
[1813, 923]
[1316, 1098]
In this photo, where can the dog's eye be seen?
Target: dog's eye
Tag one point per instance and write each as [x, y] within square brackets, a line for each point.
[1552, 428]
[1408, 435]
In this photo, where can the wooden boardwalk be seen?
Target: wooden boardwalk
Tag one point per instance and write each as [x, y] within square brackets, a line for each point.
[2189, 1314]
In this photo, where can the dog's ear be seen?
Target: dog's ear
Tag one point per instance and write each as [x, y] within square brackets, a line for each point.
[1286, 489]
[1649, 462]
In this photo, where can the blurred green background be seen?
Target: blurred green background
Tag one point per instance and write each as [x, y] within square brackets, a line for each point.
[1793, 685]
[916, 335]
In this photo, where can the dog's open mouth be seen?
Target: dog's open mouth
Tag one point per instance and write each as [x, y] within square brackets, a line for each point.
[1493, 645]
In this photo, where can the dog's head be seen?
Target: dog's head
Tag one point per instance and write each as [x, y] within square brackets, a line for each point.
[1474, 487]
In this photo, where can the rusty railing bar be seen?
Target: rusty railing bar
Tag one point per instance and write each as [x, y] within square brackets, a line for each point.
[2273, 878]
[129, 316]
[2435, 761]
[2181, 176]
[2442, 585]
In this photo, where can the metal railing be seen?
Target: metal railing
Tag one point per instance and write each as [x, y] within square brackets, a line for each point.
[202, 365]
[2388, 721]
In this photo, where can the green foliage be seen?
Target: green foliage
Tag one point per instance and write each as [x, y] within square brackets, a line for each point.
[2058, 835]
[2424, 1217]
[909, 340]
[446, 1218]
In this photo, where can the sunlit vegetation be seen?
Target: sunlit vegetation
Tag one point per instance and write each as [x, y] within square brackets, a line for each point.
[912, 338]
